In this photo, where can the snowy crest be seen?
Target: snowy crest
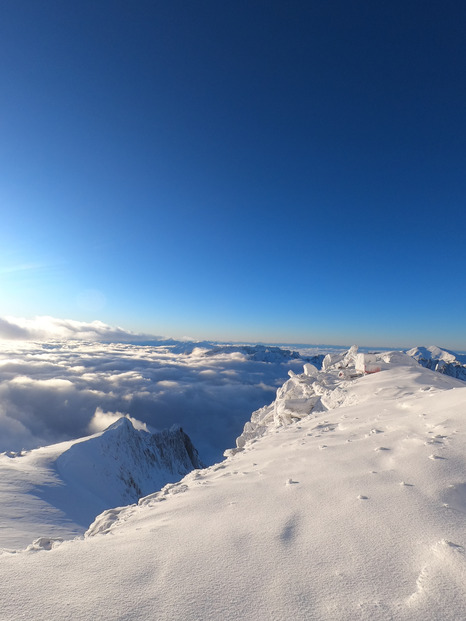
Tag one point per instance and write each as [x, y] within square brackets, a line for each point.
[440, 360]
[123, 463]
[316, 391]
[58, 490]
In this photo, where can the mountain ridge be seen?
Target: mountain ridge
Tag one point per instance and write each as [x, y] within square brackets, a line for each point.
[60, 489]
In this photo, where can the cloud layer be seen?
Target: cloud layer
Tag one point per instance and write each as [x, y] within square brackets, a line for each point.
[53, 391]
[50, 328]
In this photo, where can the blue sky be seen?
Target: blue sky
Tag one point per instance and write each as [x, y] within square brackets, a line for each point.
[248, 170]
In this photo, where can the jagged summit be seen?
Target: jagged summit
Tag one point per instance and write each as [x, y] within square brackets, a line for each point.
[123, 463]
[60, 489]
[122, 423]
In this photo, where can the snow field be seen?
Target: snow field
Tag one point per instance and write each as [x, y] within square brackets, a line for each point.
[357, 512]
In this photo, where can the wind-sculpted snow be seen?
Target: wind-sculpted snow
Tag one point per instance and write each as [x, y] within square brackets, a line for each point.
[440, 360]
[311, 391]
[314, 391]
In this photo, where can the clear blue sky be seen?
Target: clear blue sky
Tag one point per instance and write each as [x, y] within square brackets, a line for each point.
[257, 170]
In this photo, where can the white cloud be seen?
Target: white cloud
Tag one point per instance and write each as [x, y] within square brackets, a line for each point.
[50, 328]
[167, 384]
[101, 420]
[54, 384]
[52, 391]
[12, 330]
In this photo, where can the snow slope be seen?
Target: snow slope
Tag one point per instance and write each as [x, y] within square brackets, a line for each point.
[56, 491]
[355, 511]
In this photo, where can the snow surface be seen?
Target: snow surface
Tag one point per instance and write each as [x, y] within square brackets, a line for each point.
[354, 511]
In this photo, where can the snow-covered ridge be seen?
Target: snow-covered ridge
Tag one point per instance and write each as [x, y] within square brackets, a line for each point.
[441, 360]
[58, 490]
[315, 391]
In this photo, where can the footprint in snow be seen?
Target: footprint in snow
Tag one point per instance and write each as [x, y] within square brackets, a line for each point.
[177, 489]
[456, 546]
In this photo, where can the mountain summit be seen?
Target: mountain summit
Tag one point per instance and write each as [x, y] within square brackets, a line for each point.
[58, 490]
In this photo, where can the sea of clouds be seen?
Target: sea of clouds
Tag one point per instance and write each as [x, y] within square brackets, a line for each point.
[63, 379]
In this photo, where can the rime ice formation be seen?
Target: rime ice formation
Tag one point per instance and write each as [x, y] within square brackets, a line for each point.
[316, 391]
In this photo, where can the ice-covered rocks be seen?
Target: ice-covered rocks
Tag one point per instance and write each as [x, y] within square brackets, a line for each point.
[300, 395]
[316, 391]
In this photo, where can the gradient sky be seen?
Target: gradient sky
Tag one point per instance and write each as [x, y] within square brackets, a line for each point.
[246, 170]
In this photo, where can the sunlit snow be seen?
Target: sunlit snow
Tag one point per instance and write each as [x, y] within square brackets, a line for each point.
[353, 508]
